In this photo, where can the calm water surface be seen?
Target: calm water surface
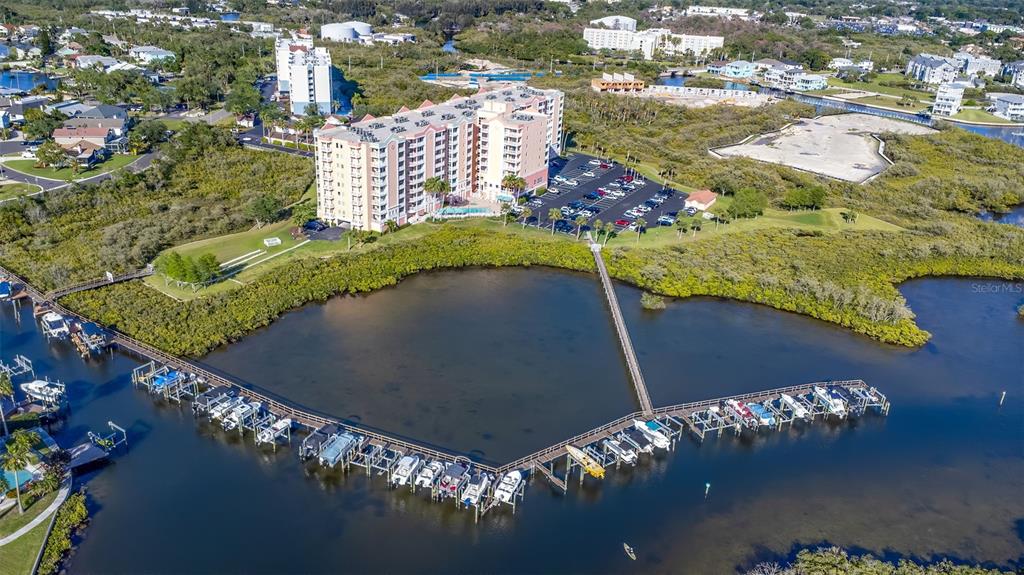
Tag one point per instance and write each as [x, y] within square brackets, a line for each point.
[941, 475]
[1014, 217]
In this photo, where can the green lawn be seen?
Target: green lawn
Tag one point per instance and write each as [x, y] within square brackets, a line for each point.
[876, 86]
[17, 557]
[8, 191]
[12, 520]
[28, 167]
[980, 116]
[889, 103]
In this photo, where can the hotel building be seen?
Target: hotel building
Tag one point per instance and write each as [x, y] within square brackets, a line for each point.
[374, 170]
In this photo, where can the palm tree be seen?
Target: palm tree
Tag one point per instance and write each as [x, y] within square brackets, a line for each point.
[512, 182]
[525, 215]
[580, 221]
[609, 230]
[695, 226]
[6, 390]
[506, 210]
[598, 228]
[270, 114]
[554, 214]
[437, 187]
[681, 225]
[19, 446]
[640, 225]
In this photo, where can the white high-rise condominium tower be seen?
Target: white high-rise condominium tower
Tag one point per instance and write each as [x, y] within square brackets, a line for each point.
[307, 75]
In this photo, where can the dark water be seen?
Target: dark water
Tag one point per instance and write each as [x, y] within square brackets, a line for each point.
[943, 474]
[681, 81]
[1014, 217]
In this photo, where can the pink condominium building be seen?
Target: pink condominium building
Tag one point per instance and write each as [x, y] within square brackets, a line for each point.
[373, 170]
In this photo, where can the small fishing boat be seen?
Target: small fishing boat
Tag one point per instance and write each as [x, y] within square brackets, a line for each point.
[795, 406]
[835, 405]
[626, 454]
[43, 390]
[629, 551]
[405, 469]
[54, 325]
[337, 448]
[508, 486]
[223, 408]
[454, 476]
[590, 465]
[636, 439]
[763, 415]
[429, 474]
[237, 416]
[269, 434]
[653, 432]
[742, 412]
[476, 489]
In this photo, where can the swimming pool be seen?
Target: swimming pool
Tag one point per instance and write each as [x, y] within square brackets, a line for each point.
[471, 211]
[23, 478]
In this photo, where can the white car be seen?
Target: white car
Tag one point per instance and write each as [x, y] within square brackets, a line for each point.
[571, 183]
[28, 154]
[588, 174]
[594, 162]
[633, 213]
[642, 209]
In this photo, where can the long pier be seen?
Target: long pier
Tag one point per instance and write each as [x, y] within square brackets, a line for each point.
[686, 418]
[620, 328]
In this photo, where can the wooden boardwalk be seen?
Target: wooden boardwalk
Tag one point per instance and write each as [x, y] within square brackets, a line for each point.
[639, 385]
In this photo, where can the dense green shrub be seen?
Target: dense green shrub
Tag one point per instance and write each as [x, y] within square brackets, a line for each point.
[831, 560]
[70, 516]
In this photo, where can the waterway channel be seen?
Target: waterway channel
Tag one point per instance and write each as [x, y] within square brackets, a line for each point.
[479, 359]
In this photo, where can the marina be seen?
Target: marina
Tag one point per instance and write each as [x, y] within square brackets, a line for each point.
[788, 464]
[335, 444]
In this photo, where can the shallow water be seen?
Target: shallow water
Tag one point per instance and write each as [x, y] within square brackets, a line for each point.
[941, 475]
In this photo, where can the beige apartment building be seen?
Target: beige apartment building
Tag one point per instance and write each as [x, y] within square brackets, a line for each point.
[374, 170]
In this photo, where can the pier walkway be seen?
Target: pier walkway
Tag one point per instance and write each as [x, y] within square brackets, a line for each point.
[620, 327]
[93, 284]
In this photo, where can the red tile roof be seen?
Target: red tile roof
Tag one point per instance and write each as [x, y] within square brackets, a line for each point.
[703, 196]
[81, 132]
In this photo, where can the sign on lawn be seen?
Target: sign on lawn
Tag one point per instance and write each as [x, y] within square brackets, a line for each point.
[271, 242]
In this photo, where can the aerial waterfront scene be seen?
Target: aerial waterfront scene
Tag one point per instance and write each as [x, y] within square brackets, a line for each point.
[324, 286]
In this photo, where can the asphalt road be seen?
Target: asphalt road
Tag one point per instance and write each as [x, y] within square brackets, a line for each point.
[141, 163]
[611, 209]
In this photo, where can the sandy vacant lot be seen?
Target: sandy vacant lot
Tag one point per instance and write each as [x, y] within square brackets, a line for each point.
[838, 146]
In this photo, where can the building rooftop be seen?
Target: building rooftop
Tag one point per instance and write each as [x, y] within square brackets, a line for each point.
[413, 123]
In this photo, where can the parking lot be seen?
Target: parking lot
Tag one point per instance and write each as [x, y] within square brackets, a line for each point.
[603, 191]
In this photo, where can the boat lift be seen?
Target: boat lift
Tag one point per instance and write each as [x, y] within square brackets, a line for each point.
[116, 438]
[21, 366]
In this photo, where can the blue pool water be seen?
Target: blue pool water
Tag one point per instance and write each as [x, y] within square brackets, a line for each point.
[453, 211]
[23, 478]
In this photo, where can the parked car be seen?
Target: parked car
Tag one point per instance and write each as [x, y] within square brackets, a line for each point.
[588, 174]
[586, 213]
[657, 199]
[613, 185]
[567, 211]
[643, 209]
[594, 209]
[559, 179]
[315, 226]
[691, 211]
[554, 191]
[577, 204]
[604, 166]
[592, 196]
[563, 226]
[571, 183]
[633, 213]
[665, 193]
[622, 223]
[650, 204]
[594, 162]
[633, 227]
[666, 220]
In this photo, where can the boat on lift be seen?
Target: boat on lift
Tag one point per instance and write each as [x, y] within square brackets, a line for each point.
[626, 454]
[653, 432]
[223, 408]
[794, 405]
[405, 470]
[429, 474]
[269, 434]
[636, 439]
[54, 325]
[508, 486]
[237, 416]
[742, 412]
[337, 448]
[454, 476]
[476, 489]
[44, 390]
[835, 405]
[5, 290]
[590, 465]
[763, 415]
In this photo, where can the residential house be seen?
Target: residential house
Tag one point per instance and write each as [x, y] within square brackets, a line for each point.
[89, 61]
[794, 79]
[932, 69]
[1008, 106]
[70, 33]
[100, 137]
[26, 51]
[977, 65]
[948, 99]
[150, 54]
[738, 69]
[17, 109]
[105, 111]
[116, 125]
[85, 153]
[701, 200]
[716, 67]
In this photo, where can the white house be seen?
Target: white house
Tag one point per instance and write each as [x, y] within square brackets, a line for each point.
[932, 69]
[1008, 106]
[977, 65]
[150, 54]
[701, 200]
[1015, 70]
[948, 99]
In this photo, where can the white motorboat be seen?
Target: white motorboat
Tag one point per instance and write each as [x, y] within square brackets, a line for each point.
[429, 474]
[405, 469]
[637, 439]
[476, 489]
[626, 454]
[54, 325]
[42, 390]
[271, 433]
[337, 448]
[508, 486]
[223, 408]
[652, 431]
[795, 406]
[454, 476]
[237, 416]
[834, 404]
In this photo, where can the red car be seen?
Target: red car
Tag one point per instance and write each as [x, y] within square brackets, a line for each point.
[601, 191]
[622, 223]
[627, 179]
[605, 166]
